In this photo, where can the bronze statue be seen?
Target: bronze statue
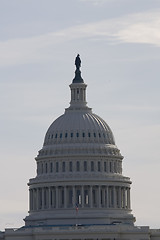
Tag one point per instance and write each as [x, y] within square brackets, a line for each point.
[78, 62]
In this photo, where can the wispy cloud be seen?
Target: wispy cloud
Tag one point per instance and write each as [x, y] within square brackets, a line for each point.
[135, 28]
[96, 2]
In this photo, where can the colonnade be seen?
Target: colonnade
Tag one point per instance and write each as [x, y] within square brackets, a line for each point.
[105, 166]
[96, 196]
[78, 93]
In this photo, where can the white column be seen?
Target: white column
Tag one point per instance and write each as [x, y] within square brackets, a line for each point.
[103, 197]
[65, 197]
[30, 199]
[37, 198]
[57, 197]
[82, 196]
[49, 197]
[128, 198]
[120, 197]
[107, 197]
[91, 198]
[53, 197]
[114, 197]
[33, 199]
[74, 196]
[124, 198]
[42, 198]
[108, 166]
[99, 196]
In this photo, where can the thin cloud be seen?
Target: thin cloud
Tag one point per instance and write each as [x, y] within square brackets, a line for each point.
[136, 28]
[96, 2]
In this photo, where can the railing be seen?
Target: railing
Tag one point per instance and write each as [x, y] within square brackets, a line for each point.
[83, 228]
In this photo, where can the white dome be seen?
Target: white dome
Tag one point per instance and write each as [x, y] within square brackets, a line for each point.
[79, 126]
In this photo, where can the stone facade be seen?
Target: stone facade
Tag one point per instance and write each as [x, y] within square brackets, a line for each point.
[79, 191]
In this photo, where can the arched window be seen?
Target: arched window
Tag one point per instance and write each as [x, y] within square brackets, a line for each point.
[77, 166]
[51, 167]
[85, 166]
[110, 166]
[63, 167]
[57, 167]
[46, 166]
[105, 167]
[42, 168]
[70, 166]
[99, 166]
[92, 166]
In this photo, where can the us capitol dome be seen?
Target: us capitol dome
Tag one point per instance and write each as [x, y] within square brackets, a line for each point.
[79, 192]
[79, 170]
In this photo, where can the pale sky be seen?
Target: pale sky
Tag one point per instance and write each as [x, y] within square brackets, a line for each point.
[119, 45]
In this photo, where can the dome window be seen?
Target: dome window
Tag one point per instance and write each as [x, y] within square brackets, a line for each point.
[63, 167]
[56, 135]
[99, 135]
[85, 166]
[77, 134]
[92, 166]
[66, 135]
[51, 167]
[70, 166]
[110, 167]
[105, 167]
[57, 167]
[94, 134]
[83, 134]
[42, 168]
[46, 168]
[89, 135]
[51, 136]
[78, 166]
[71, 135]
[60, 135]
[99, 166]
